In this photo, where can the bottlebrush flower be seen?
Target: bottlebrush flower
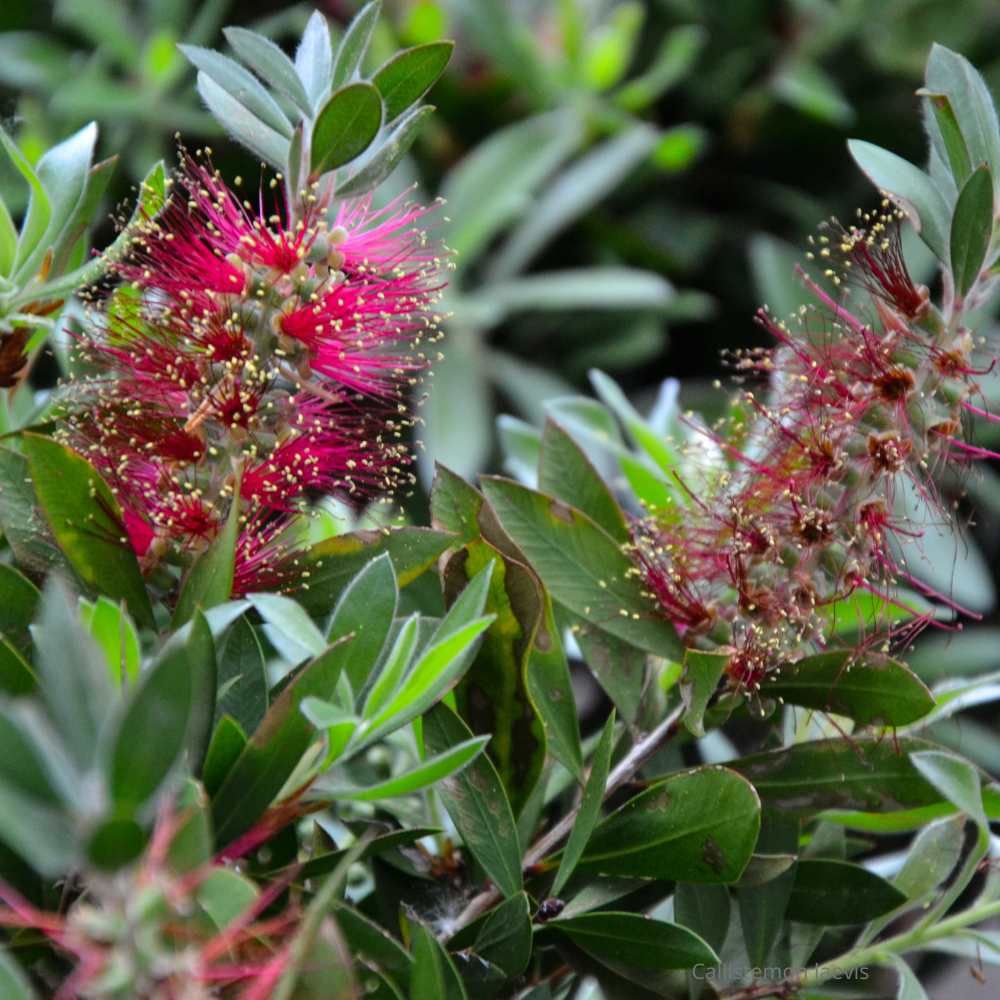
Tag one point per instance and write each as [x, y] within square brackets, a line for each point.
[861, 394]
[286, 349]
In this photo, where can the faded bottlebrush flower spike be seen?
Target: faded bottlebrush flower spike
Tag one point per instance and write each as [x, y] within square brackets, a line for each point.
[255, 353]
[861, 395]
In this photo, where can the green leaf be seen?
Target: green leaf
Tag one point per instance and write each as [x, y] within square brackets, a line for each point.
[87, 523]
[243, 125]
[911, 188]
[314, 58]
[333, 564]
[225, 896]
[210, 580]
[697, 826]
[909, 987]
[635, 941]
[873, 690]
[386, 682]
[274, 750]
[495, 182]
[16, 675]
[972, 228]
[115, 843]
[455, 505]
[428, 772]
[566, 473]
[36, 219]
[365, 612]
[702, 673]
[590, 807]
[603, 288]
[159, 721]
[956, 779]
[355, 42]
[345, 127]
[762, 908]
[932, 857]
[409, 74]
[673, 61]
[372, 945]
[503, 938]
[956, 151]
[8, 246]
[73, 678]
[271, 64]
[285, 617]
[477, 804]
[953, 75]
[433, 976]
[577, 189]
[836, 893]
[19, 600]
[24, 527]
[14, 983]
[384, 156]
[111, 626]
[582, 566]
[704, 909]
[240, 85]
[618, 667]
[242, 676]
[871, 775]
[224, 749]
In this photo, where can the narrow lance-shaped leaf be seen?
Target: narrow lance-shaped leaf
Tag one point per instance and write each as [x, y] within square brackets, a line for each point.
[354, 44]
[476, 802]
[87, 523]
[590, 806]
[834, 893]
[266, 59]
[972, 228]
[386, 154]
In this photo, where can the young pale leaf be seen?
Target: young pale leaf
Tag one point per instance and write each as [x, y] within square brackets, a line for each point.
[434, 674]
[36, 219]
[635, 941]
[14, 983]
[241, 86]
[836, 893]
[972, 228]
[8, 241]
[87, 523]
[430, 771]
[582, 566]
[287, 617]
[314, 58]
[872, 689]
[243, 125]
[477, 804]
[590, 807]
[391, 673]
[384, 156]
[697, 826]
[210, 580]
[911, 188]
[354, 44]
[365, 612]
[409, 74]
[116, 635]
[271, 64]
[345, 126]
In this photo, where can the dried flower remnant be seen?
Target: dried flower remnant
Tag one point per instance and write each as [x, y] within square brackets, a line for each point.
[861, 394]
[242, 347]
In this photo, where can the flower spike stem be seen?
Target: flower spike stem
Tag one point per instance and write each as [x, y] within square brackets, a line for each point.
[622, 774]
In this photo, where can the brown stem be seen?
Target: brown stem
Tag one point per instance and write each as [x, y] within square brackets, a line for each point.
[622, 774]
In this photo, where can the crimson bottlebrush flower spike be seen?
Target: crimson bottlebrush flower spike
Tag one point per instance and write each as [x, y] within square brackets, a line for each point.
[861, 395]
[242, 340]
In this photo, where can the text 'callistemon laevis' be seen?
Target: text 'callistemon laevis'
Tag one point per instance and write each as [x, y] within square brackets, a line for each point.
[865, 389]
[247, 352]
